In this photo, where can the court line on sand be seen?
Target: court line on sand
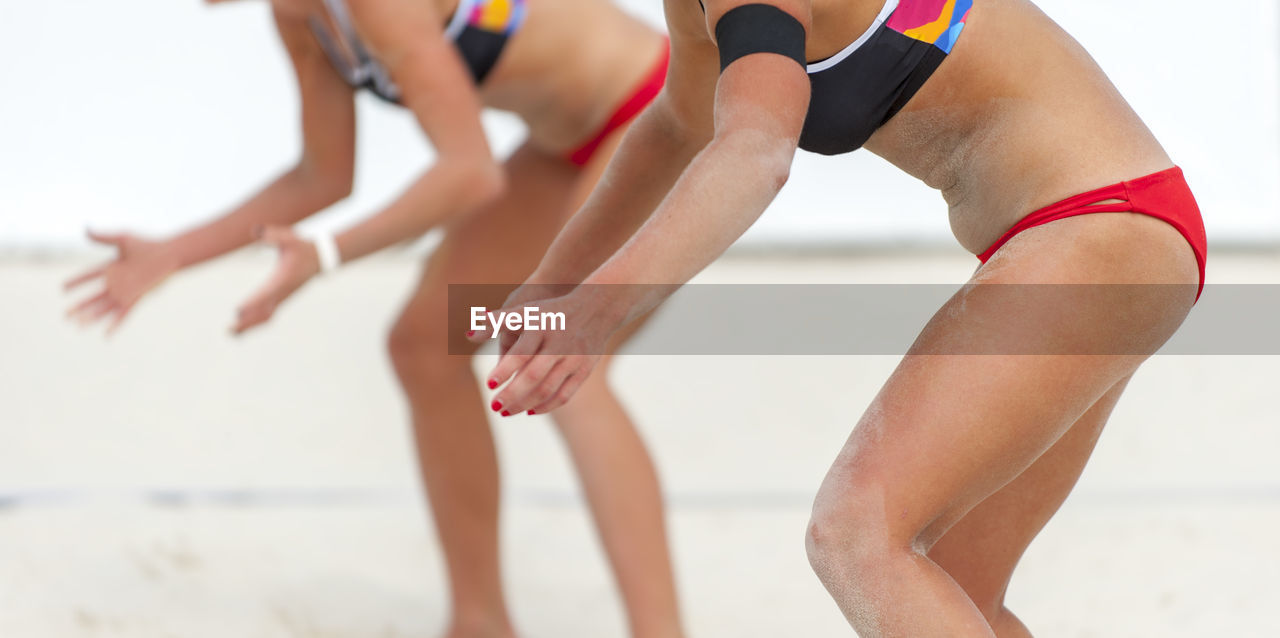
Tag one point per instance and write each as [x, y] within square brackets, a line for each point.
[681, 500]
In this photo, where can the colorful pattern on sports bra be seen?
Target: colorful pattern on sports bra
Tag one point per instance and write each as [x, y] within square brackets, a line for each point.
[854, 92]
[497, 16]
[937, 22]
[479, 28]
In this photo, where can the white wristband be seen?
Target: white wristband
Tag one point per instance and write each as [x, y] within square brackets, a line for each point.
[327, 252]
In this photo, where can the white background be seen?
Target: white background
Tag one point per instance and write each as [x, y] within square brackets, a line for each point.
[152, 114]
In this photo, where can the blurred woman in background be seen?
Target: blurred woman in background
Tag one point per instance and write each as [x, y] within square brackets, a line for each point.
[576, 72]
[1051, 178]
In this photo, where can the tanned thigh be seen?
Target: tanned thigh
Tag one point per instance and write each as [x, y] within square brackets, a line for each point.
[1009, 365]
[982, 549]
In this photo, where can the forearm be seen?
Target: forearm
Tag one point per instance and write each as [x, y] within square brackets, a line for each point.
[724, 191]
[288, 199]
[652, 155]
[448, 189]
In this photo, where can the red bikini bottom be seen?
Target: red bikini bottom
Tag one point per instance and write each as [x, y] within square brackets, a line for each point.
[1164, 195]
[648, 89]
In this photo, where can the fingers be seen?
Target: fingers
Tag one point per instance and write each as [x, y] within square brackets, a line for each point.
[536, 382]
[513, 303]
[258, 309]
[110, 239]
[97, 307]
[262, 305]
[480, 335]
[514, 359]
[507, 338]
[282, 283]
[84, 305]
[486, 330]
[86, 276]
[534, 385]
[98, 311]
[254, 313]
[91, 309]
[118, 312]
[562, 395]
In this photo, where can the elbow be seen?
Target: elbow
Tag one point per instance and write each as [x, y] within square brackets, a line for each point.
[490, 182]
[335, 188]
[780, 169]
[770, 154]
[482, 180]
[327, 186]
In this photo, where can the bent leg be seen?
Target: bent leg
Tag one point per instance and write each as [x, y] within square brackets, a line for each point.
[949, 430]
[459, 466]
[981, 551]
[622, 488]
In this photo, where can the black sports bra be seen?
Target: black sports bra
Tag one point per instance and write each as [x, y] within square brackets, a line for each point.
[479, 28]
[854, 92]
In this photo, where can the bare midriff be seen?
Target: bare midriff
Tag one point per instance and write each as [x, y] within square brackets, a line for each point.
[1018, 117]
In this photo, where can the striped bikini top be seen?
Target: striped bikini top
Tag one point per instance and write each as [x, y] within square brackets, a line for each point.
[479, 28]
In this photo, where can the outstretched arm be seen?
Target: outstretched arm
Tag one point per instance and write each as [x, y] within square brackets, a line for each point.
[324, 172]
[652, 155]
[760, 105]
[406, 37]
[322, 176]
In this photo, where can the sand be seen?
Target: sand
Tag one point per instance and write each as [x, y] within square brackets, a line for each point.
[177, 482]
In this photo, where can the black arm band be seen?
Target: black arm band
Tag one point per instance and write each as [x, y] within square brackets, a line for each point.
[759, 28]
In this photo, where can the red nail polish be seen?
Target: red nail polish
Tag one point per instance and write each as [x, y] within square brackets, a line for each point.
[496, 405]
[492, 384]
[505, 413]
[471, 333]
[531, 413]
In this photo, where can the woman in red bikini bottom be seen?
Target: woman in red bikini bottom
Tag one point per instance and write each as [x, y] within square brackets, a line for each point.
[962, 458]
[445, 60]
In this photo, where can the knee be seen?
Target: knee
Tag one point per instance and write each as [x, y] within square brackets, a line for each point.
[419, 350]
[849, 538]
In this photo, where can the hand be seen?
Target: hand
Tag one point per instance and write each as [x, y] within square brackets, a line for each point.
[531, 292]
[140, 265]
[298, 263]
[546, 367]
